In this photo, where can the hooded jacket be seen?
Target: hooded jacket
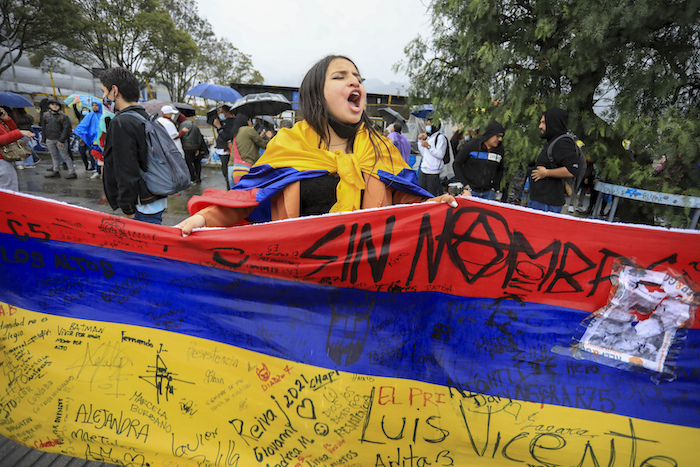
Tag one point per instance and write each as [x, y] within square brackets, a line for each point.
[56, 126]
[551, 190]
[479, 168]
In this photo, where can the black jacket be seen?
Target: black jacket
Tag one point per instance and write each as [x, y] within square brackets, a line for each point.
[482, 170]
[226, 133]
[551, 190]
[56, 126]
[125, 153]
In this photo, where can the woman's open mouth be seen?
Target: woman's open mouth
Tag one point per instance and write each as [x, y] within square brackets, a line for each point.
[355, 100]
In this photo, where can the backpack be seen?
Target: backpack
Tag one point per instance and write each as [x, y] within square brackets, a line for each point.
[190, 140]
[166, 170]
[448, 151]
[571, 185]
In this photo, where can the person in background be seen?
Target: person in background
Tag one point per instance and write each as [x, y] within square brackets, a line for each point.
[55, 132]
[168, 120]
[432, 146]
[192, 144]
[247, 143]
[224, 135]
[125, 150]
[400, 141]
[24, 121]
[332, 161]
[87, 131]
[9, 133]
[547, 192]
[479, 165]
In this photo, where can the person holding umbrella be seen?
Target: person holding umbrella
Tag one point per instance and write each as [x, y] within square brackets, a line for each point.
[9, 133]
[246, 146]
[334, 160]
[224, 124]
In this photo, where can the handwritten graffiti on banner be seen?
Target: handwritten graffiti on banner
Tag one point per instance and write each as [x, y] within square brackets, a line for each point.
[145, 397]
[478, 249]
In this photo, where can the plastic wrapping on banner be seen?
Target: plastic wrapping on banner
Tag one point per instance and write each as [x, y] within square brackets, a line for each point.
[643, 326]
[416, 335]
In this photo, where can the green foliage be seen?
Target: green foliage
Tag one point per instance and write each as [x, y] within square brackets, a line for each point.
[162, 41]
[27, 26]
[625, 70]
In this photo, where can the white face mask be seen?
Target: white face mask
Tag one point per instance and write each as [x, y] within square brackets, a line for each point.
[222, 117]
[428, 128]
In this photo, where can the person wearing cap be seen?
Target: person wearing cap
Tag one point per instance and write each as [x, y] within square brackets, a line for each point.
[479, 164]
[170, 114]
[56, 129]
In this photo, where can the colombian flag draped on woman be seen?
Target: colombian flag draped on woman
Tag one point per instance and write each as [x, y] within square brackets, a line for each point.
[409, 335]
[295, 154]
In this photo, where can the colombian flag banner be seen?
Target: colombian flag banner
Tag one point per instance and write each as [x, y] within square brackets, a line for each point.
[420, 335]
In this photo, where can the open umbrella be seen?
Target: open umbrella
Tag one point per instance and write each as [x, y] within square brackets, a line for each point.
[216, 92]
[264, 103]
[14, 100]
[423, 111]
[154, 105]
[391, 116]
[85, 100]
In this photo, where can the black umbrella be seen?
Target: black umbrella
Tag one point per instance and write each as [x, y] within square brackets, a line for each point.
[154, 105]
[264, 103]
[390, 116]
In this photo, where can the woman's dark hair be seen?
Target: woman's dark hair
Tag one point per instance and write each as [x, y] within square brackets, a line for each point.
[240, 120]
[125, 80]
[314, 109]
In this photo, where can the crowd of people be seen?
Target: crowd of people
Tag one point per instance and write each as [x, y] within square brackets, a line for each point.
[334, 159]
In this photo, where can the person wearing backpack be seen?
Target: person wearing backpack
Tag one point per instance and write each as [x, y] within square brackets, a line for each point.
[479, 164]
[555, 163]
[434, 149]
[126, 150]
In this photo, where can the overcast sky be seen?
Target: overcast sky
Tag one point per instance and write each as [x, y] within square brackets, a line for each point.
[286, 37]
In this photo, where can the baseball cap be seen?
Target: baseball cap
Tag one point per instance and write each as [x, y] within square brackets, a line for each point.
[169, 109]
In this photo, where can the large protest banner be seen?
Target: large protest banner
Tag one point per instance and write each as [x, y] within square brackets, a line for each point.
[419, 335]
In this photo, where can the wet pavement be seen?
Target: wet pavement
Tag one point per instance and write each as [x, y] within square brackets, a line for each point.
[87, 192]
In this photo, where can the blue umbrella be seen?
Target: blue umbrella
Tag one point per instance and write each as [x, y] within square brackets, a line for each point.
[423, 111]
[14, 100]
[85, 100]
[216, 92]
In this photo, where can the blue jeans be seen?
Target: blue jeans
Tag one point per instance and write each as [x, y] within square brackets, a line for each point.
[156, 218]
[543, 207]
[489, 194]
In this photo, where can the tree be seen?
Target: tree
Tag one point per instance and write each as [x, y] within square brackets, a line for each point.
[225, 64]
[112, 33]
[518, 57]
[193, 53]
[30, 25]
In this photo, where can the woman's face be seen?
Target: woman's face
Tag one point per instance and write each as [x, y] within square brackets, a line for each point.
[345, 95]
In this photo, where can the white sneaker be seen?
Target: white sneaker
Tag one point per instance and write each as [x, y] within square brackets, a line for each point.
[96, 175]
[571, 209]
[581, 209]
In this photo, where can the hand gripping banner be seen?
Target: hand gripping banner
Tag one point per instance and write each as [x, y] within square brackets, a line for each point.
[419, 335]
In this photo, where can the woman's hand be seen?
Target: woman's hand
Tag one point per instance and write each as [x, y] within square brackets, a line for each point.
[27, 133]
[193, 222]
[449, 199]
